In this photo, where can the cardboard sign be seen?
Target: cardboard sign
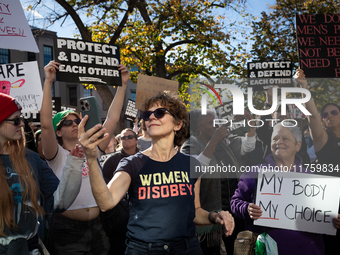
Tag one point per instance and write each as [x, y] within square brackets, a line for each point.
[297, 201]
[15, 32]
[22, 81]
[87, 62]
[131, 111]
[150, 85]
[263, 75]
[318, 39]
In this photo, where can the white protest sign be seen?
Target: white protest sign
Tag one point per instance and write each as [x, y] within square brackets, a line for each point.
[15, 32]
[298, 201]
[22, 81]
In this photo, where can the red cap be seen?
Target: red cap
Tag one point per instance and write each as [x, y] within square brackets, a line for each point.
[8, 105]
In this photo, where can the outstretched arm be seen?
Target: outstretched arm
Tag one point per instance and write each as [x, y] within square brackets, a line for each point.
[113, 113]
[318, 133]
[48, 140]
[109, 196]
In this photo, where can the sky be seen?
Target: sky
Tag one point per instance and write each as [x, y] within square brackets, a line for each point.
[68, 27]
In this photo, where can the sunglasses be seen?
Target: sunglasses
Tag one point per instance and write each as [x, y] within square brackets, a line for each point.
[16, 121]
[127, 137]
[67, 123]
[159, 113]
[324, 115]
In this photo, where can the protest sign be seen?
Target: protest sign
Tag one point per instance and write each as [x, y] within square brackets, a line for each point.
[295, 112]
[87, 62]
[263, 75]
[225, 111]
[15, 32]
[22, 81]
[149, 85]
[297, 201]
[131, 111]
[34, 116]
[318, 39]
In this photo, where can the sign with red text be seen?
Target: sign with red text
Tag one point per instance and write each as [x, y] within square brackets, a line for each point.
[263, 75]
[15, 32]
[88, 62]
[297, 201]
[318, 39]
[150, 85]
[22, 81]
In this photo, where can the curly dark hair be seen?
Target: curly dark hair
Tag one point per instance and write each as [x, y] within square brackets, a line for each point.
[175, 105]
[328, 130]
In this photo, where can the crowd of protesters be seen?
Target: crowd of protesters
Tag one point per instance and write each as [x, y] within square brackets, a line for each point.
[94, 193]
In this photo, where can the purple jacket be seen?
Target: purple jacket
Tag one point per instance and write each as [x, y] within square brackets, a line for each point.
[288, 241]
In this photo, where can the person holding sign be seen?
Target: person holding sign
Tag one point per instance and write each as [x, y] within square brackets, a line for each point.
[77, 230]
[164, 201]
[286, 142]
[27, 184]
[326, 140]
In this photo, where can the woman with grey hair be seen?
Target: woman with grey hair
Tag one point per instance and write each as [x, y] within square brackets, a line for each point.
[285, 143]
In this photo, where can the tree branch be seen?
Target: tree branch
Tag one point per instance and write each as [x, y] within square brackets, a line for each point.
[85, 33]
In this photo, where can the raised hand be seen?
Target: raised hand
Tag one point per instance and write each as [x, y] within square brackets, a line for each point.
[50, 70]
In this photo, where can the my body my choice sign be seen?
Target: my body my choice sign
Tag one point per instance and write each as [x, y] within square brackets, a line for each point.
[88, 62]
[298, 201]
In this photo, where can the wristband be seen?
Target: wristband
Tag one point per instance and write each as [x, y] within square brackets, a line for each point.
[210, 217]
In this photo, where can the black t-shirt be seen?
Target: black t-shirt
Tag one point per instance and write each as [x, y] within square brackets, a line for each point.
[162, 196]
[329, 156]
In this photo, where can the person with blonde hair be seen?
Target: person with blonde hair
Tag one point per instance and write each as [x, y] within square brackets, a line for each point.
[27, 184]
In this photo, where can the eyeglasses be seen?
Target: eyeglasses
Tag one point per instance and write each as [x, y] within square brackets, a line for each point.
[68, 123]
[324, 115]
[127, 137]
[16, 121]
[159, 113]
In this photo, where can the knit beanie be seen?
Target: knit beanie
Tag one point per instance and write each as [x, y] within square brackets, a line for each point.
[8, 106]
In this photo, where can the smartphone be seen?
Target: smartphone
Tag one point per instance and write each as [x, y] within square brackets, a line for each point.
[89, 106]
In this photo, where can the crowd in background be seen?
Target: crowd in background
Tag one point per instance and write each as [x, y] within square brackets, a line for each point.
[132, 193]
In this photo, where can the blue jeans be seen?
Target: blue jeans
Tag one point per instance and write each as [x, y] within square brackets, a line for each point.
[72, 237]
[187, 246]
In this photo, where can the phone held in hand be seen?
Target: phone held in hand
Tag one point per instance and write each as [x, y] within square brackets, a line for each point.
[89, 106]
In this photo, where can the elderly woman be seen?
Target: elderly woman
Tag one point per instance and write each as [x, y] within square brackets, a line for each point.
[286, 142]
[164, 201]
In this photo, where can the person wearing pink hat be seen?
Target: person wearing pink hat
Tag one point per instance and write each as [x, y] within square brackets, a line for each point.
[77, 230]
[26, 181]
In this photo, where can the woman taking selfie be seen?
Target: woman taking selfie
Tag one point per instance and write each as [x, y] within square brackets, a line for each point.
[164, 201]
[25, 181]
